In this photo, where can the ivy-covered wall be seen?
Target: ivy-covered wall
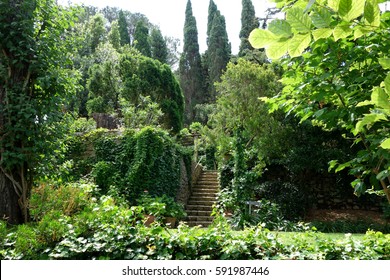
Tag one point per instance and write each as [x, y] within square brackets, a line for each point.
[131, 162]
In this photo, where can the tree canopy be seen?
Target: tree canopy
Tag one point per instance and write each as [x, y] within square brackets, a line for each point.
[35, 77]
[337, 75]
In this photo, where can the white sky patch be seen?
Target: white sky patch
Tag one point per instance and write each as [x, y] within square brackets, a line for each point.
[170, 14]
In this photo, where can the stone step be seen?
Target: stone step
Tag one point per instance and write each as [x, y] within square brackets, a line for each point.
[198, 207]
[197, 212]
[203, 189]
[210, 193]
[199, 218]
[208, 177]
[201, 202]
[207, 184]
[202, 198]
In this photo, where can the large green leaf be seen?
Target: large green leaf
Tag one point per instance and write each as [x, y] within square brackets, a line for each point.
[369, 119]
[299, 20]
[342, 31]
[260, 38]
[298, 44]
[360, 31]
[322, 33]
[280, 28]
[380, 98]
[277, 49]
[334, 4]
[384, 62]
[386, 144]
[351, 9]
[387, 84]
[372, 13]
[321, 17]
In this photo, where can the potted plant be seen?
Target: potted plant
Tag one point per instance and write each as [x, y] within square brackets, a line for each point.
[154, 207]
[173, 211]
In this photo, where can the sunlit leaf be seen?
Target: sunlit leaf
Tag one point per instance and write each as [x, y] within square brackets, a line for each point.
[299, 20]
[321, 17]
[322, 33]
[369, 119]
[334, 4]
[386, 144]
[380, 98]
[360, 31]
[384, 62]
[387, 85]
[342, 31]
[372, 13]
[260, 38]
[351, 9]
[298, 44]
[277, 49]
[280, 28]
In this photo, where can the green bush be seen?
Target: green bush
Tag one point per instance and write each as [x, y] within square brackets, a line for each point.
[52, 227]
[68, 199]
[105, 175]
[110, 230]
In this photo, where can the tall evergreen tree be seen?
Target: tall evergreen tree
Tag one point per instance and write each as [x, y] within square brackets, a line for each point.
[141, 39]
[97, 31]
[248, 23]
[219, 51]
[212, 10]
[114, 35]
[190, 66]
[123, 29]
[158, 46]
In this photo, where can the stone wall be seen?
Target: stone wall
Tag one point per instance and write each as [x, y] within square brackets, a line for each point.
[331, 192]
[187, 181]
[327, 190]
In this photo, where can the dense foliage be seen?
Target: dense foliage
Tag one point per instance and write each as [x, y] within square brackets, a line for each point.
[143, 76]
[106, 229]
[36, 77]
[342, 82]
[129, 163]
[87, 193]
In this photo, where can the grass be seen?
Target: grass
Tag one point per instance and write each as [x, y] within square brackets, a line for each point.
[288, 237]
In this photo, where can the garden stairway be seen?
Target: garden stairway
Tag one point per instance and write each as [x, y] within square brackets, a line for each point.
[204, 195]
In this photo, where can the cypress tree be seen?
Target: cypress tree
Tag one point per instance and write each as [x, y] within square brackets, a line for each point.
[114, 35]
[219, 51]
[190, 66]
[212, 10]
[158, 46]
[97, 31]
[123, 29]
[141, 39]
[248, 23]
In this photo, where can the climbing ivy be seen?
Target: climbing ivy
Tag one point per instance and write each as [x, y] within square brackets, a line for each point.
[131, 162]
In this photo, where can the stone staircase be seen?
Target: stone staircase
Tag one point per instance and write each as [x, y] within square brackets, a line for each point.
[204, 193]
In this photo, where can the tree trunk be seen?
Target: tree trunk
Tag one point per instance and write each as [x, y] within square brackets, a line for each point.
[10, 209]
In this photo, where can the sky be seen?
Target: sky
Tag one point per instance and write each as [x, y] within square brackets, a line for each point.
[169, 15]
